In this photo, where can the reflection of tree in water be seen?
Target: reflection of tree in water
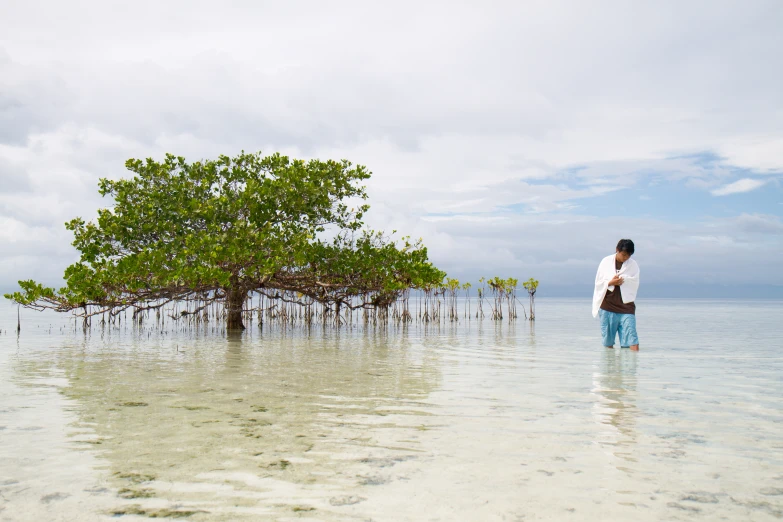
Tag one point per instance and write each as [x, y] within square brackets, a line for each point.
[616, 386]
[285, 406]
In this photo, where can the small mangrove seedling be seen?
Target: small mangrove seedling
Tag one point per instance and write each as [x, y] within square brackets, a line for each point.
[531, 285]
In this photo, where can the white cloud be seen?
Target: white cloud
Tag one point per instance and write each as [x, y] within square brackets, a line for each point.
[721, 240]
[461, 113]
[738, 187]
[764, 153]
[760, 224]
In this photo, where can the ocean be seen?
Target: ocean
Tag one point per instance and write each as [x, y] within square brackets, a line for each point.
[468, 420]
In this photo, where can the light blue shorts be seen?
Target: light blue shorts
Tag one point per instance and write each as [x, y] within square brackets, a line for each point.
[613, 324]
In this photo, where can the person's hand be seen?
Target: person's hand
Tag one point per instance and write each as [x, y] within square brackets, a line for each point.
[616, 281]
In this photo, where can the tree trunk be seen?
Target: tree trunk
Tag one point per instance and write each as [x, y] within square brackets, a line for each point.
[533, 306]
[235, 299]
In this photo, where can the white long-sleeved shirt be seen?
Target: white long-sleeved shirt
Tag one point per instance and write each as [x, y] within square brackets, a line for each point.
[606, 271]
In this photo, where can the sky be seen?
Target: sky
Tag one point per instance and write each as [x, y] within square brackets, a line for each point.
[517, 138]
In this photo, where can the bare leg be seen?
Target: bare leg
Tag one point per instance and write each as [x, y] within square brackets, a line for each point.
[635, 347]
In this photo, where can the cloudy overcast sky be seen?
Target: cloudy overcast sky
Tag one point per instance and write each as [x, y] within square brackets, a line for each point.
[518, 138]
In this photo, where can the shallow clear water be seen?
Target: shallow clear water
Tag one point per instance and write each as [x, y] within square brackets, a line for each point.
[475, 421]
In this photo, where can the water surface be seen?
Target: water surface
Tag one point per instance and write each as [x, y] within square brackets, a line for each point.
[468, 421]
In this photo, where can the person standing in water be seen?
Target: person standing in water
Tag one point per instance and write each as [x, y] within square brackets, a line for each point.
[616, 285]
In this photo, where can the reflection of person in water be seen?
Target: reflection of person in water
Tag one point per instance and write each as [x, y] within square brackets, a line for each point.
[615, 385]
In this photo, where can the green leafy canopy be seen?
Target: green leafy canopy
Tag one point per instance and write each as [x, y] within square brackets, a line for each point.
[218, 229]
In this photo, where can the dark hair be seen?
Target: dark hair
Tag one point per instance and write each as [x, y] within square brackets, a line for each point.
[625, 245]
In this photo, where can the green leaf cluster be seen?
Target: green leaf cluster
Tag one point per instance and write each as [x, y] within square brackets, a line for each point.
[530, 285]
